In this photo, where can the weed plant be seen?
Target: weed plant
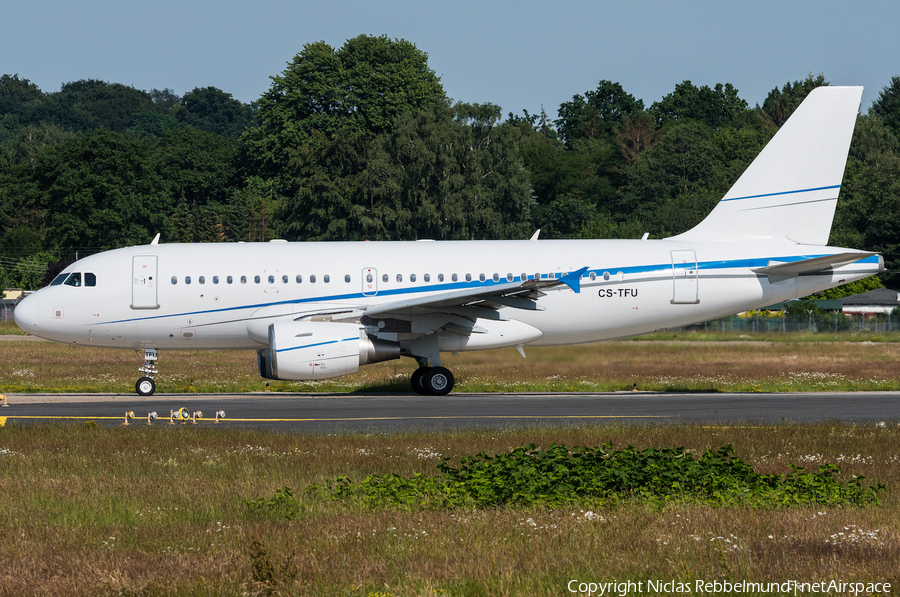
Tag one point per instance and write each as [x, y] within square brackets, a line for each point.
[192, 510]
[528, 476]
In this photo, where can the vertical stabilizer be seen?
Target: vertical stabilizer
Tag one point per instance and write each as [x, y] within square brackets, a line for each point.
[790, 191]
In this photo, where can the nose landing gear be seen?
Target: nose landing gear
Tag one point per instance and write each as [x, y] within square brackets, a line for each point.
[145, 386]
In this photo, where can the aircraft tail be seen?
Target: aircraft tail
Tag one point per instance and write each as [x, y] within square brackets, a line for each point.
[789, 192]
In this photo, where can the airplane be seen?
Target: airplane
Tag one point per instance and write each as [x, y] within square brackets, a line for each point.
[315, 311]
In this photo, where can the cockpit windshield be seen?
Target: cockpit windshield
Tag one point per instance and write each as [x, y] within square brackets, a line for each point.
[75, 279]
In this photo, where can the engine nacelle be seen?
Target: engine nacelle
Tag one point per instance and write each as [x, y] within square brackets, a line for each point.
[306, 350]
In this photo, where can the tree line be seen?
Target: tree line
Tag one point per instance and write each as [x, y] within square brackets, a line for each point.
[361, 142]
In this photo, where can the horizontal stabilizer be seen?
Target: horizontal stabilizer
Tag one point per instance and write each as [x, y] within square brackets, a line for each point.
[808, 266]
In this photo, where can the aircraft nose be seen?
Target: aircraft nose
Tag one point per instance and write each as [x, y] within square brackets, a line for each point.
[27, 313]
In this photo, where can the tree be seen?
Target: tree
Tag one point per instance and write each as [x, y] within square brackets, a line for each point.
[636, 135]
[866, 215]
[21, 89]
[196, 166]
[112, 105]
[365, 85]
[715, 107]
[597, 113]
[212, 110]
[445, 173]
[887, 105]
[100, 190]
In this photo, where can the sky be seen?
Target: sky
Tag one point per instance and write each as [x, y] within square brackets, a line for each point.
[524, 54]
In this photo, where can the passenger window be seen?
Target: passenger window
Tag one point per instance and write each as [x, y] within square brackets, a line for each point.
[481, 278]
[496, 277]
[384, 278]
[412, 277]
[90, 279]
[215, 279]
[368, 278]
[468, 277]
[229, 279]
[524, 277]
[399, 277]
[174, 280]
[606, 275]
[593, 276]
[326, 278]
[454, 277]
[509, 277]
[440, 277]
[428, 277]
[257, 279]
[284, 279]
[243, 279]
[347, 278]
[74, 279]
[201, 280]
[271, 279]
[312, 279]
[299, 279]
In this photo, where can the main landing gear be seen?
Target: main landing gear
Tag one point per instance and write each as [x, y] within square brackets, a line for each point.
[432, 381]
[145, 386]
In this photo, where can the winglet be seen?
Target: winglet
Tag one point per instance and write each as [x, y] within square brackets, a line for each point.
[155, 240]
[536, 234]
[573, 279]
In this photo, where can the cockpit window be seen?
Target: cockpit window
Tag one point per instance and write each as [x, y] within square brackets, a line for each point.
[90, 279]
[59, 279]
[74, 279]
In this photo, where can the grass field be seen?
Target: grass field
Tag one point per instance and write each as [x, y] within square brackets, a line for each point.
[163, 511]
[166, 510]
[670, 362]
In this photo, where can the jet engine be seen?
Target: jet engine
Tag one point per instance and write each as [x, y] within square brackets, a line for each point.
[307, 350]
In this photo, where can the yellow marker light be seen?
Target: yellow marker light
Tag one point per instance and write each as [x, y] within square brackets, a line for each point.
[151, 417]
[128, 415]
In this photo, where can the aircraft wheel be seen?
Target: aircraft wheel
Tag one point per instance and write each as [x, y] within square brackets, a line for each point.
[145, 386]
[416, 381]
[438, 381]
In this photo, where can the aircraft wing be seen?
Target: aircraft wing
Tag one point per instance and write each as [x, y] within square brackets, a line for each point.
[481, 301]
[808, 266]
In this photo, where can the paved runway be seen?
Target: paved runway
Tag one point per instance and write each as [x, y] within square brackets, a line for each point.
[341, 413]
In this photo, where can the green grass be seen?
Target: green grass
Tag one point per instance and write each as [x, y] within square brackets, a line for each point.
[168, 510]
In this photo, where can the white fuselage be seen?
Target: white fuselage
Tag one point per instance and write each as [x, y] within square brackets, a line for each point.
[225, 296]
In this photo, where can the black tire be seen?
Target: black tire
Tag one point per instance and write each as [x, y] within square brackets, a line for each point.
[438, 381]
[145, 386]
[416, 381]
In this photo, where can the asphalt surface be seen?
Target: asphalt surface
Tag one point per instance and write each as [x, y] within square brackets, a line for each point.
[342, 413]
